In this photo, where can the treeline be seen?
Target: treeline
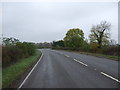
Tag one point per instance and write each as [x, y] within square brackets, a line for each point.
[13, 50]
[43, 45]
[99, 40]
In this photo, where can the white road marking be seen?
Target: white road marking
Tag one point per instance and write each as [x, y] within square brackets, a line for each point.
[80, 62]
[83, 63]
[75, 60]
[95, 69]
[67, 56]
[110, 76]
[30, 72]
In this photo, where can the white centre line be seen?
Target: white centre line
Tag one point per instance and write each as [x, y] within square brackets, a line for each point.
[110, 76]
[94, 69]
[75, 60]
[67, 56]
[80, 62]
[83, 63]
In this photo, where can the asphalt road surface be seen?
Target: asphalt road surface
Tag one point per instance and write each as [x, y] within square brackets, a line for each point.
[61, 69]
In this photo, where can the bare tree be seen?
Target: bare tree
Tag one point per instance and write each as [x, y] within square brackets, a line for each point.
[100, 33]
[113, 42]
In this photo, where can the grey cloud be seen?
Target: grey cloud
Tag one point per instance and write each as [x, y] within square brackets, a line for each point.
[50, 21]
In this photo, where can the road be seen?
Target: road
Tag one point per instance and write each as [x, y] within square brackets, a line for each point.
[61, 69]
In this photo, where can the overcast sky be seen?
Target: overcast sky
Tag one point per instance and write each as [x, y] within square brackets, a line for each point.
[40, 22]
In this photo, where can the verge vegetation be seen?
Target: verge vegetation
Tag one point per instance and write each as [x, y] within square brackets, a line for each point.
[13, 50]
[17, 58]
[13, 72]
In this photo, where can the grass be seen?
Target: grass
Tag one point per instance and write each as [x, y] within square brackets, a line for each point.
[101, 55]
[13, 72]
[115, 58]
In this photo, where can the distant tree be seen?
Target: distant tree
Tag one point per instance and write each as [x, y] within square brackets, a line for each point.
[74, 38]
[46, 45]
[43, 45]
[59, 43]
[100, 33]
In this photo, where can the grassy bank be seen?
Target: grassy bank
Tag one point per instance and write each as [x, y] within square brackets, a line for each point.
[101, 55]
[13, 72]
[112, 57]
[98, 55]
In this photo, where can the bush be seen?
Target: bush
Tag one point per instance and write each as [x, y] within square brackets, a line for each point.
[26, 48]
[110, 50]
[10, 54]
[13, 53]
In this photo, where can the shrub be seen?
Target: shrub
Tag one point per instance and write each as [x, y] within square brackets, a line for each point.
[110, 50]
[11, 53]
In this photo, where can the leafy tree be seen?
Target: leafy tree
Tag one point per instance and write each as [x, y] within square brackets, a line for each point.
[93, 46]
[100, 33]
[74, 38]
[86, 46]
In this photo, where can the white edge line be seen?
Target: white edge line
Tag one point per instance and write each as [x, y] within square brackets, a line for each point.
[30, 72]
[80, 62]
[110, 76]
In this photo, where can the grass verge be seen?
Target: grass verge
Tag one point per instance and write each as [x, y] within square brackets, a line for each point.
[11, 73]
[101, 55]
[115, 58]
